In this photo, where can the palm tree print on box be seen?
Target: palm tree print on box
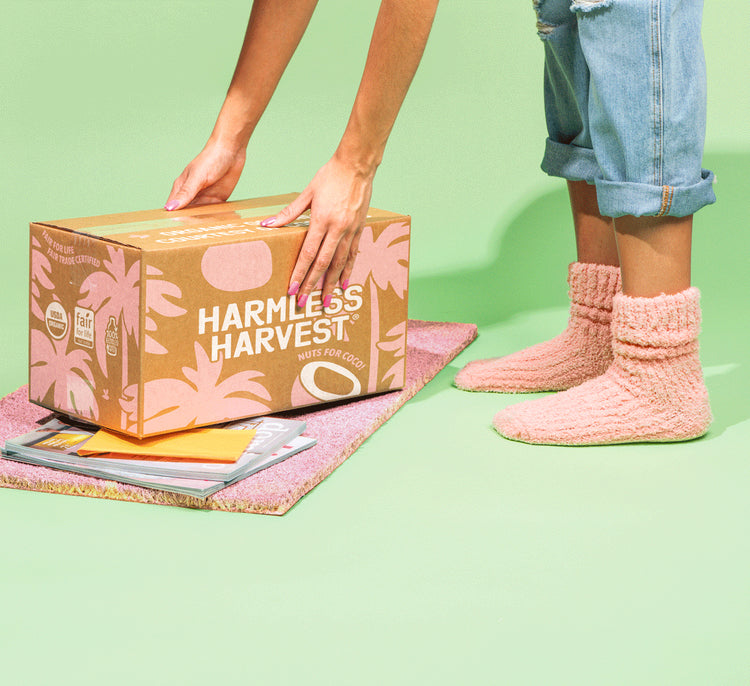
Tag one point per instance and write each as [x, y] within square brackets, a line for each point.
[113, 292]
[65, 373]
[395, 344]
[41, 270]
[159, 296]
[384, 262]
[196, 399]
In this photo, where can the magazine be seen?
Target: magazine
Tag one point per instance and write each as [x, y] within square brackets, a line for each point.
[54, 443]
[63, 438]
[199, 488]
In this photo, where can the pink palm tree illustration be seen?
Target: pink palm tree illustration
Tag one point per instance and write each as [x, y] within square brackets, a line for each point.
[199, 398]
[113, 292]
[396, 344]
[385, 262]
[67, 373]
[40, 276]
[157, 292]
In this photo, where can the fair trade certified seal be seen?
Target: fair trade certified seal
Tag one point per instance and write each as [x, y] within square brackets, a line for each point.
[84, 327]
[56, 319]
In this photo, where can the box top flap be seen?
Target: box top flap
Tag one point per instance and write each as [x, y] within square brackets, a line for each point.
[208, 224]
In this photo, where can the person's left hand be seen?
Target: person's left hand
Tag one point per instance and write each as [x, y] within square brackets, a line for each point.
[338, 198]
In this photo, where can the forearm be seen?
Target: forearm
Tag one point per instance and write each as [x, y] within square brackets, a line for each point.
[398, 41]
[274, 30]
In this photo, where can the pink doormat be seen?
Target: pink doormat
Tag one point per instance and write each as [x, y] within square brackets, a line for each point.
[340, 429]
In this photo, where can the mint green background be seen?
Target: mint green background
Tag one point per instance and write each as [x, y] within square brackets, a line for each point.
[438, 553]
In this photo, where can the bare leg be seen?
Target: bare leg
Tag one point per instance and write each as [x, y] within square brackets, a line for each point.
[654, 254]
[595, 235]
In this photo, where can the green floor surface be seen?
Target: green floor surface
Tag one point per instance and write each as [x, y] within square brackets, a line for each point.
[439, 553]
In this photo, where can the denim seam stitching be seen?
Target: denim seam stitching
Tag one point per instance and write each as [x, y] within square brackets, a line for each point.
[657, 76]
[667, 195]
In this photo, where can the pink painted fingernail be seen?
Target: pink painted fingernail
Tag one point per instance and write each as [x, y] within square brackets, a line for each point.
[344, 284]
[172, 204]
[293, 289]
[301, 300]
[268, 222]
[327, 301]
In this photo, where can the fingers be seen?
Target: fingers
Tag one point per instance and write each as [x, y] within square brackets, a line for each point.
[184, 189]
[314, 257]
[325, 260]
[326, 266]
[310, 246]
[333, 275]
[209, 178]
[293, 210]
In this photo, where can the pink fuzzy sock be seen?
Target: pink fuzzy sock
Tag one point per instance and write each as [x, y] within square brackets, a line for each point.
[653, 391]
[581, 352]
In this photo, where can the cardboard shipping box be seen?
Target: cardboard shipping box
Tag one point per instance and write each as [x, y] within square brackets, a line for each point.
[155, 321]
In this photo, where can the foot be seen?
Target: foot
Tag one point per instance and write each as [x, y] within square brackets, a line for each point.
[653, 391]
[581, 352]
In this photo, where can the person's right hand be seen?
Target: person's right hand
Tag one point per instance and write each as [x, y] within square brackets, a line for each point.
[209, 178]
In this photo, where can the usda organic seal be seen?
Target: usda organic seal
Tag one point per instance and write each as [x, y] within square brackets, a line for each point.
[56, 319]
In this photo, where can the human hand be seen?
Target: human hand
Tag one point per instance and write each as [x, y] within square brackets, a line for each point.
[338, 198]
[209, 178]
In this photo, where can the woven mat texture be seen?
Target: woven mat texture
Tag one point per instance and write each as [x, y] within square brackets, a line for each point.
[340, 429]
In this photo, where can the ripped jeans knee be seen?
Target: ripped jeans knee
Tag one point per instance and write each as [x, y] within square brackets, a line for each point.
[584, 6]
[551, 14]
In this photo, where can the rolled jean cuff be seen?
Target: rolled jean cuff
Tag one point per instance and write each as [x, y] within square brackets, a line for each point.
[619, 198]
[570, 162]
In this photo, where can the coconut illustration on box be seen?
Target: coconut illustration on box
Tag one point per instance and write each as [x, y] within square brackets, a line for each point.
[193, 326]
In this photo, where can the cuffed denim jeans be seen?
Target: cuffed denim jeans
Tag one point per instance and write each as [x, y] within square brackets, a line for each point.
[625, 102]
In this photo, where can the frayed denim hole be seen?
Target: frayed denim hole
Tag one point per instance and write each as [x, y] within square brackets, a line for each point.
[586, 6]
[543, 29]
